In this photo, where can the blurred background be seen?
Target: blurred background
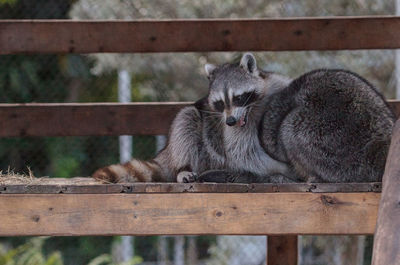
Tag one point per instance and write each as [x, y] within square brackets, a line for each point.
[159, 77]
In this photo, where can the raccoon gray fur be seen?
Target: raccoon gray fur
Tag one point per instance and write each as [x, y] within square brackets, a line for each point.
[331, 126]
[255, 126]
[220, 132]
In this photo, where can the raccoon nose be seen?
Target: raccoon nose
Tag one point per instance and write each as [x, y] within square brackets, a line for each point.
[230, 121]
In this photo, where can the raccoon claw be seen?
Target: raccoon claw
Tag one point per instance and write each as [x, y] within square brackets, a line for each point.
[186, 177]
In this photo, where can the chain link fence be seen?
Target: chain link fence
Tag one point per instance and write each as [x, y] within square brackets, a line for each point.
[159, 77]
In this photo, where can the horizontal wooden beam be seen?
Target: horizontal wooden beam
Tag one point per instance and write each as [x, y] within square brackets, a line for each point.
[199, 35]
[90, 186]
[81, 119]
[188, 213]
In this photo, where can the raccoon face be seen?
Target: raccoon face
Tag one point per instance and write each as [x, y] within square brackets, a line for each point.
[234, 90]
[235, 108]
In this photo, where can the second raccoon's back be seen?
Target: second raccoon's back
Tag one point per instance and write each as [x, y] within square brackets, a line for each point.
[341, 101]
[338, 127]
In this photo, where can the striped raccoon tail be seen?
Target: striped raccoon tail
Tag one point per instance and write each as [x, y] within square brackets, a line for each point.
[132, 171]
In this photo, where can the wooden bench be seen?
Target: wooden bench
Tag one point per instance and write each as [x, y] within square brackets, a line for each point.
[280, 211]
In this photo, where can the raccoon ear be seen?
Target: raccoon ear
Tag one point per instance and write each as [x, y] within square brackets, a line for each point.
[209, 69]
[201, 103]
[249, 63]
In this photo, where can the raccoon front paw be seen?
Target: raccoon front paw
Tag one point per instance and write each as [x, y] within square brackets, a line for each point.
[186, 177]
[217, 176]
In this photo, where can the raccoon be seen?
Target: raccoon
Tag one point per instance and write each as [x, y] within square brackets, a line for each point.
[220, 132]
[257, 126]
[330, 126]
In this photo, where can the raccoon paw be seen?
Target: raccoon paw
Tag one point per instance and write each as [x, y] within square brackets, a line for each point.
[186, 177]
[217, 176]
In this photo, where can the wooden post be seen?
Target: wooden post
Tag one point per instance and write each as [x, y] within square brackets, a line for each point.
[387, 234]
[282, 250]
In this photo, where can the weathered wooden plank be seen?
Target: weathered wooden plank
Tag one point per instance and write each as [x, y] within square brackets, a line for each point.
[387, 235]
[71, 119]
[283, 34]
[80, 119]
[282, 250]
[316, 187]
[395, 105]
[82, 187]
[188, 213]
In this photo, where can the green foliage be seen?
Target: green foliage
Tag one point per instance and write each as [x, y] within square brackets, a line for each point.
[30, 253]
[79, 250]
[31, 78]
[106, 259]
[7, 2]
[64, 166]
[38, 9]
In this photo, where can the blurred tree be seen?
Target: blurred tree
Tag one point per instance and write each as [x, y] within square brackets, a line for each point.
[106, 259]
[52, 78]
[55, 78]
[26, 9]
[30, 253]
[9, 2]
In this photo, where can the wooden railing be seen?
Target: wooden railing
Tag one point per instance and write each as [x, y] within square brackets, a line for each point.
[81, 119]
[284, 210]
[283, 34]
[187, 209]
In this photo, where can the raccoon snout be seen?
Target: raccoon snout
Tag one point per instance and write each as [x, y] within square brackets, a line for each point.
[231, 121]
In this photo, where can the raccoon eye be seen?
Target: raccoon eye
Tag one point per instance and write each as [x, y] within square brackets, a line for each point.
[219, 105]
[244, 99]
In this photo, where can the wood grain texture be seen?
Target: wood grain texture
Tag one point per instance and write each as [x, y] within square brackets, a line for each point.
[80, 119]
[284, 34]
[88, 185]
[387, 235]
[282, 250]
[188, 213]
[395, 106]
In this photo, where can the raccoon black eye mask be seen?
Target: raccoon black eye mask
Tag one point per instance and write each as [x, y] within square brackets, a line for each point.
[242, 100]
[245, 99]
[219, 106]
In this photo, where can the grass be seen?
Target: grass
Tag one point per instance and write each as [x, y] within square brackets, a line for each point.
[11, 177]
